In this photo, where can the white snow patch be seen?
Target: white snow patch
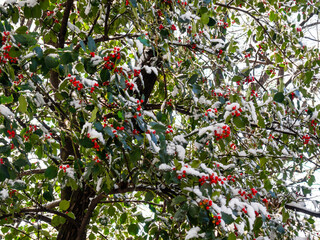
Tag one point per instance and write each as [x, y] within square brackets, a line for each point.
[6, 111]
[88, 8]
[152, 144]
[181, 152]
[73, 28]
[93, 133]
[139, 46]
[164, 167]
[39, 100]
[195, 190]
[4, 194]
[193, 233]
[99, 184]
[151, 69]
[29, 55]
[70, 173]
[77, 104]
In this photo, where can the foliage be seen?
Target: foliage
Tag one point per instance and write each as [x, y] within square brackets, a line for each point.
[201, 114]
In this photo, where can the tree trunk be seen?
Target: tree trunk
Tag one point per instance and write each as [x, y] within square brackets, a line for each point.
[79, 202]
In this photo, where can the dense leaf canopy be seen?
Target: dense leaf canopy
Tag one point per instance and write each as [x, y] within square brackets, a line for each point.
[158, 119]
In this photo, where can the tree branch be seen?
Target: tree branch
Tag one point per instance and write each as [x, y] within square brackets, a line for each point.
[64, 24]
[30, 172]
[258, 21]
[87, 216]
[132, 201]
[311, 25]
[179, 109]
[106, 26]
[294, 206]
[17, 229]
[37, 210]
[312, 39]
[308, 18]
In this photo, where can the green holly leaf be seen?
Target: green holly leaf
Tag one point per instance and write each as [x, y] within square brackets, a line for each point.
[91, 44]
[23, 104]
[227, 218]
[51, 172]
[64, 205]
[179, 199]
[51, 61]
[133, 229]
[27, 40]
[278, 97]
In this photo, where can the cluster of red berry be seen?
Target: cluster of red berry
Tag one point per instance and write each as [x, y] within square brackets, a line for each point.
[306, 139]
[169, 103]
[76, 83]
[116, 130]
[64, 167]
[206, 204]
[184, 172]
[116, 53]
[254, 93]
[235, 111]
[216, 219]
[129, 85]
[49, 13]
[169, 129]
[12, 134]
[48, 136]
[314, 125]
[271, 136]
[211, 110]
[96, 159]
[95, 143]
[12, 192]
[136, 73]
[222, 132]
[216, 179]
[248, 195]
[223, 24]
[249, 79]
[6, 57]
[149, 132]
[233, 146]
[93, 88]
[108, 64]
[135, 132]
[136, 115]
[5, 37]
[182, 3]
[220, 94]
[119, 70]
[20, 77]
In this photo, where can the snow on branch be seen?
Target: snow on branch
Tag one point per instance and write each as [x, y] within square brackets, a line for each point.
[298, 208]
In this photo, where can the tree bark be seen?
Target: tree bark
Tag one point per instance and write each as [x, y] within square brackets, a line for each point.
[79, 203]
[149, 79]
